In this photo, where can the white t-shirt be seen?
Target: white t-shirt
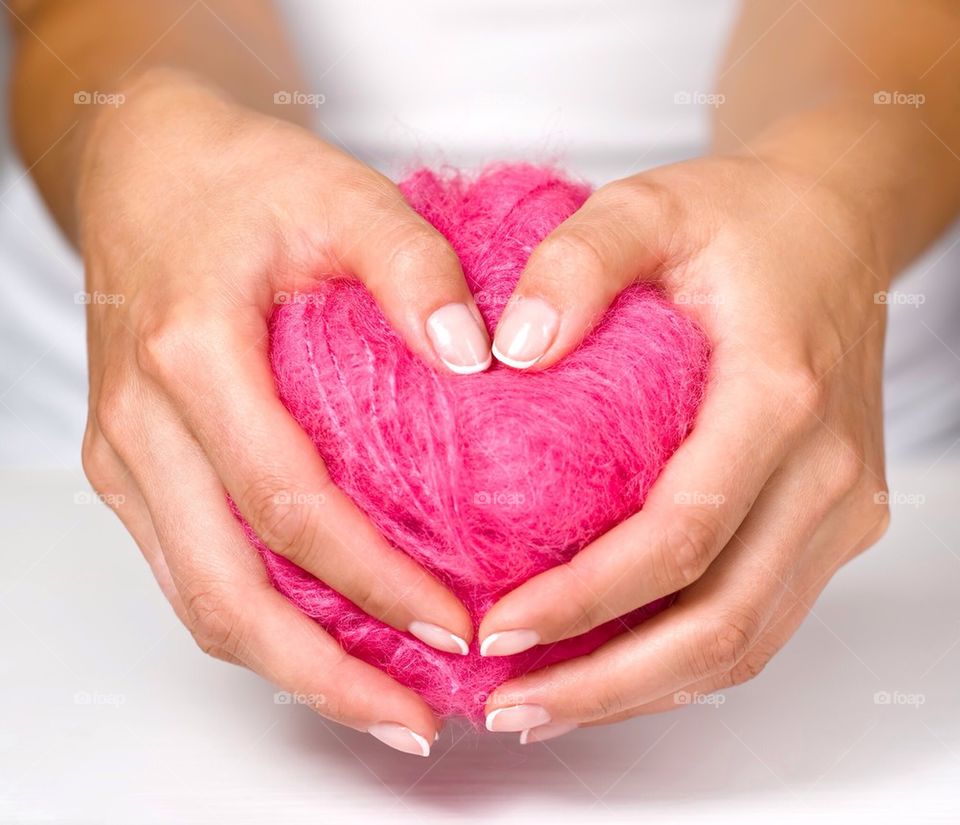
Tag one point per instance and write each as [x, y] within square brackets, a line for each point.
[606, 89]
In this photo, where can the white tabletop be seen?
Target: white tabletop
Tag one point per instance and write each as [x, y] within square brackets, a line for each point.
[108, 713]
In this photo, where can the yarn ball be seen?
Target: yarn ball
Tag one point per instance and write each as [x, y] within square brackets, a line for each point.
[486, 479]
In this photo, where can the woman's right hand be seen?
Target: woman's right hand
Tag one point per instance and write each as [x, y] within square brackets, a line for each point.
[194, 215]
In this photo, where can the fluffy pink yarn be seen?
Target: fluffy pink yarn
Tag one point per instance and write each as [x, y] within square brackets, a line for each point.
[487, 479]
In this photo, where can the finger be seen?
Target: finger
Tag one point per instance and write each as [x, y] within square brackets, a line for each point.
[699, 500]
[794, 608]
[135, 515]
[271, 469]
[789, 617]
[707, 631]
[790, 614]
[621, 234]
[416, 278]
[235, 613]
[118, 489]
[839, 538]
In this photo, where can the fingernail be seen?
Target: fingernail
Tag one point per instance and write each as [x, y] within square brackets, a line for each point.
[508, 642]
[439, 637]
[459, 339]
[400, 738]
[516, 718]
[545, 732]
[525, 332]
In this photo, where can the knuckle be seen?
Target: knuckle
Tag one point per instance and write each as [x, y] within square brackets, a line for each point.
[874, 517]
[581, 605]
[364, 594]
[568, 250]
[418, 251]
[686, 553]
[98, 465]
[802, 398]
[279, 519]
[638, 191]
[882, 523]
[215, 626]
[167, 350]
[420, 265]
[729, 640]
[607, 702]
[160, 349]
[749, 667]
[115, 410]
[364, 189]
[847, 472]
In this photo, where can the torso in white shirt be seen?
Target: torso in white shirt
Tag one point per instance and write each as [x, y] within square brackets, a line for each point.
[606, 89]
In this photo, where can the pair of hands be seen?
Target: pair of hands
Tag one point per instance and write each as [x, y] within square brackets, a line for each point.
[199, 213]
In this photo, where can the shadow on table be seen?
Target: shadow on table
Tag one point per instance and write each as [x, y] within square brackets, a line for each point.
[863, 692]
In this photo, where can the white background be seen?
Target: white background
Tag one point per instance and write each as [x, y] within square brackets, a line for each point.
[171, 736]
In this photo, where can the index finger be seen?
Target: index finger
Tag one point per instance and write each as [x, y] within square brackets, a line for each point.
[270, 467]
[695, 506]
[235, 613]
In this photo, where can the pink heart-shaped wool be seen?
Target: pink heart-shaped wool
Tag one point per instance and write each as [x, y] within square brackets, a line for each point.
[491, 478]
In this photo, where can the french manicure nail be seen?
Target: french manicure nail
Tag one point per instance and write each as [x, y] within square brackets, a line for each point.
[516, 718]
[525, 332]
[545, 732]
[400, 737]
[508, 642]
[459, 340]
[438, 637]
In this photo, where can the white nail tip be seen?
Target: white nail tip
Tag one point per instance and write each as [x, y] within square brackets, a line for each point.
[544, 733]
[439, 638]
[490, 717]
[510, 362]
[422, 742]
[400, 737]
[517, 641]
[485, 644]
[460, 369]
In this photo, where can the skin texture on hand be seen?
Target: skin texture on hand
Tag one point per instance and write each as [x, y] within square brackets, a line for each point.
[781, 480]
[202, 215]
[782, 247]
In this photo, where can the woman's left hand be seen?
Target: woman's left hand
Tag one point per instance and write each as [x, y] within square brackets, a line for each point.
[780, 483]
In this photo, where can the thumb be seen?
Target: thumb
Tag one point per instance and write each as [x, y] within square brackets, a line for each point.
[416, 278]
[617, 237]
